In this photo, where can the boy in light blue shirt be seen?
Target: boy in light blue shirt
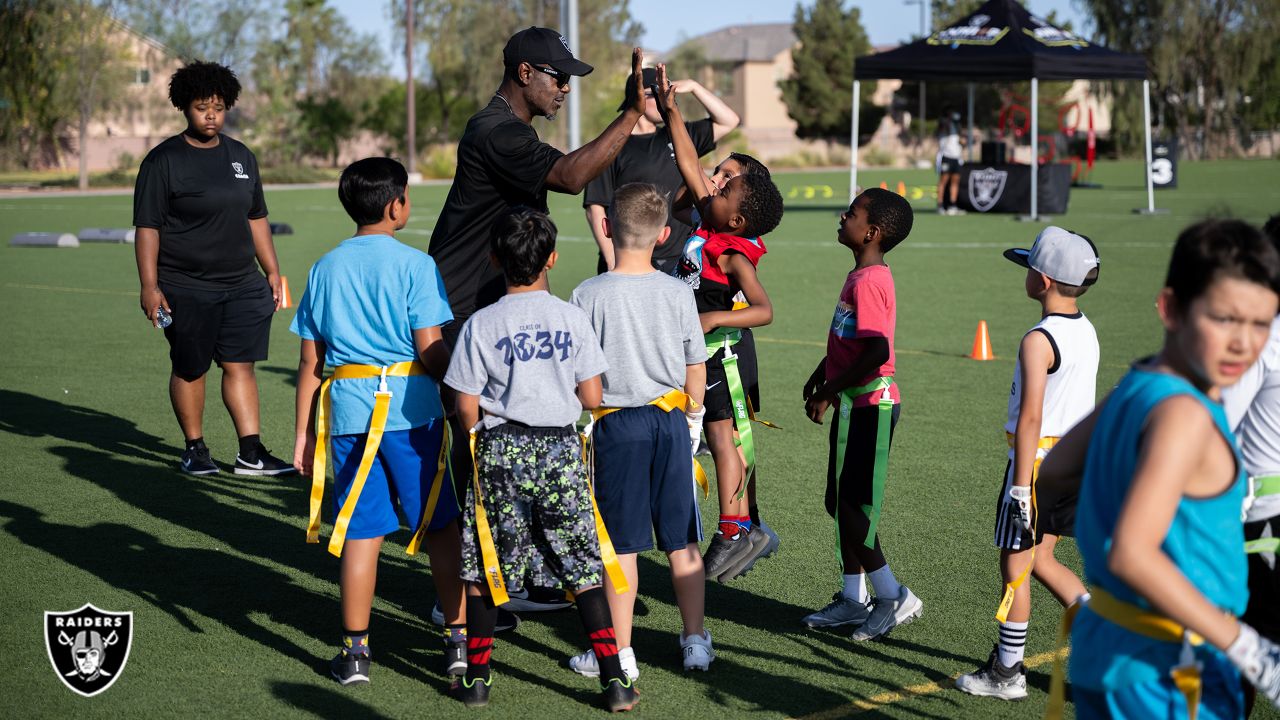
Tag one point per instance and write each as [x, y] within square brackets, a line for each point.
[373, 309]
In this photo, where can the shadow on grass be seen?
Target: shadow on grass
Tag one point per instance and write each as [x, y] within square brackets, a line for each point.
[260, 521]
[34, 417]
[290, 374]
[323, 702]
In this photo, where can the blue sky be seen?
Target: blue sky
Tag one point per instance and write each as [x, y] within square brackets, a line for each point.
[666, 21]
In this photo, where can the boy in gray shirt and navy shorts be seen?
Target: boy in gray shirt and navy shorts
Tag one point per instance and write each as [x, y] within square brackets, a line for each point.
[647, 427]
[525, 368]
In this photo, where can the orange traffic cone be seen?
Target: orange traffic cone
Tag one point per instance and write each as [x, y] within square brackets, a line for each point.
[902, 188]
[982, 343]
[884, 185]
[286, 300]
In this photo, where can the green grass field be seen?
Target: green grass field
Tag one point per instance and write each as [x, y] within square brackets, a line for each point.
[236, 616]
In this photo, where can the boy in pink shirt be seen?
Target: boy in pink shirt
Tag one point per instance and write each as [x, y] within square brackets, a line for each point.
[857, 376]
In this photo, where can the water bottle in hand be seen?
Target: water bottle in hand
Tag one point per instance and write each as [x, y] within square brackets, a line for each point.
[163, 319]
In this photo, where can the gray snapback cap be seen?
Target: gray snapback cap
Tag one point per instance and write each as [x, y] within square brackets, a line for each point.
[1064, 256]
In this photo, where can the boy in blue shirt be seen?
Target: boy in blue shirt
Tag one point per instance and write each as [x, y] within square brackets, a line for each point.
[372, 309]
[1162, 486]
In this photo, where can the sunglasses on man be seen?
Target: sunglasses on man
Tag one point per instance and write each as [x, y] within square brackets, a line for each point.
[561, 78]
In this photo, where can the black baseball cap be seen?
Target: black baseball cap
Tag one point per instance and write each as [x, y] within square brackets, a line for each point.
[543, 46]
[628, 91]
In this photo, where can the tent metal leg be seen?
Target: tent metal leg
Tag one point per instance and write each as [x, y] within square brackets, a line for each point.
[853, 145]
[969, 136]
[1035, 151]
[1146, 126]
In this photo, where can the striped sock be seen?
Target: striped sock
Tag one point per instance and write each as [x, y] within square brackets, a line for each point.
[1013, 642]
[481, 617]
[593, 607]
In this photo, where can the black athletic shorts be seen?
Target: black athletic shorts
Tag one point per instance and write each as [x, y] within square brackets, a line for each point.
[1053, 515]
[949, 165]
[719, 407]
[1264, 581]
[854, 482]
[232, 325]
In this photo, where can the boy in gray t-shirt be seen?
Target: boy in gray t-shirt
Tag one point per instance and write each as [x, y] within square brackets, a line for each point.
[645, 433]
[532, 364]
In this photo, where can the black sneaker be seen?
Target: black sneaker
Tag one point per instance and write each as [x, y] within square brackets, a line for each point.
[262, 462]
[537, 600]
[725, 553]
[455, 658]
[350, 669]
[507, 620]
[620, 695]
[759, 545]
[703, 450]
[472, 693]
[196, 461]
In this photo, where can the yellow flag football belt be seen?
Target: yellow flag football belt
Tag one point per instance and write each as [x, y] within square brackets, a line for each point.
[674, 400]
[489, 551]
[1002, 612]
[377, 425]
[1186, 675]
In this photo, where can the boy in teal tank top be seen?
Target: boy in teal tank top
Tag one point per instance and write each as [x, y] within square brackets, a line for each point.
[1158, 520]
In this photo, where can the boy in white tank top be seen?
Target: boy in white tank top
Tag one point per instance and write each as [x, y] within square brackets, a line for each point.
[1054, 386]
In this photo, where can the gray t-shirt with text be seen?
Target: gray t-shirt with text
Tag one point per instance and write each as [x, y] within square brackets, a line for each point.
[524, 357]
[648, 326]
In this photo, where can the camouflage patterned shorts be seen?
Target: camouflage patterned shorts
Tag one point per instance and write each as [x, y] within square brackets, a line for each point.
[537, 498]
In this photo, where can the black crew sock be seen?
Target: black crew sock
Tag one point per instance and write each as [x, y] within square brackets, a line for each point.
[249, 447]
[593, 608]
[754, 512]
[196, 443]
[482, 615]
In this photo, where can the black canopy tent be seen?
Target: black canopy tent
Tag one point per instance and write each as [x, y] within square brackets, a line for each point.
[1001, 42]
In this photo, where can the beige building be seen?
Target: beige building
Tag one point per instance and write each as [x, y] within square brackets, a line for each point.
[140, 117]
[745, 64]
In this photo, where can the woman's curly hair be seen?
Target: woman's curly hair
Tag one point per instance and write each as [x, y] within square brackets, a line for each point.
[199, 80]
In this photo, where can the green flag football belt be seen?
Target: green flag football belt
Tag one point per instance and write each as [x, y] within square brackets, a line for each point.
[743, 414]
[884, 419]
[1262, 487]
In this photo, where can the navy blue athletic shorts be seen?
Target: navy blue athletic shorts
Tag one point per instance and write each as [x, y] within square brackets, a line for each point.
[644, 479]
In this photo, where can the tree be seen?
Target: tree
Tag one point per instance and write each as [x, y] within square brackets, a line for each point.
[463, 41]
[819, 92]
[948, 12]
[62, 61]
[1205, 57]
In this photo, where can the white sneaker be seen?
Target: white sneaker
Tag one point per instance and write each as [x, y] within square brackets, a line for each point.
[840, 611]
[995, 680]
[886, 614]
[697, 650]
[585, 664]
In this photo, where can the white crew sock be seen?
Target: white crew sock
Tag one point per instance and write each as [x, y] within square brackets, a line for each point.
[1013, 642]
[884, 583]
[855, 588]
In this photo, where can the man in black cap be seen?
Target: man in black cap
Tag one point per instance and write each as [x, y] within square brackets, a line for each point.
[502, 163]
[648, 158]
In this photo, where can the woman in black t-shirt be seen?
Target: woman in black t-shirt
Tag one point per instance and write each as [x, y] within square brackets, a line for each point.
[201, 224]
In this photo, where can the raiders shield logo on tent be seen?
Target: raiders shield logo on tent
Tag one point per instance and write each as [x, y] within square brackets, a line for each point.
[88, 647]
[985, 188]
